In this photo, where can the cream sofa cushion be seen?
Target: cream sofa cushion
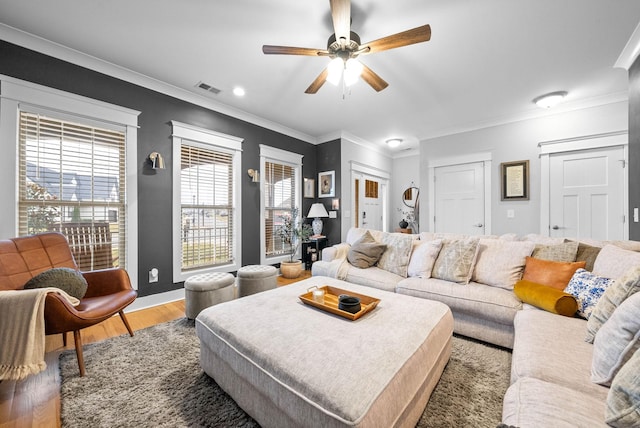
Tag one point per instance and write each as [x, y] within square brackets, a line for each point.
[500, 263]
[613, 261]
[395, 258]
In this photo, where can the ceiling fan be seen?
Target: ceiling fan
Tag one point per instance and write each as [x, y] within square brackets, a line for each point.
[344, 47]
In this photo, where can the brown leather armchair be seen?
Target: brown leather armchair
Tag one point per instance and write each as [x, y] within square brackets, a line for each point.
[109, 290]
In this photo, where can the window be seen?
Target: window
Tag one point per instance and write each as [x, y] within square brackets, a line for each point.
[206, 187]
[72, 180]
[69, 163]
[281, 192]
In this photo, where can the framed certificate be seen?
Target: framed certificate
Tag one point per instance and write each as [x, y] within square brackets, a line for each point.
[515, 180]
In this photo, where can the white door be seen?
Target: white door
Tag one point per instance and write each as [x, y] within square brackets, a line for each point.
[459, 199]
[586, 194]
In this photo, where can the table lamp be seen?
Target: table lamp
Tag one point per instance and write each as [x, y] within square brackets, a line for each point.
[317, 210]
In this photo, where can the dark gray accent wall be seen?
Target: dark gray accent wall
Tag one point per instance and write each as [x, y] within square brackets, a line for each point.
[330, 159]
[155, 186]
[634, 147]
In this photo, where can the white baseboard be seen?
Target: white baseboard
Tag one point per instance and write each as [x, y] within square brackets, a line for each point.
[155, 300]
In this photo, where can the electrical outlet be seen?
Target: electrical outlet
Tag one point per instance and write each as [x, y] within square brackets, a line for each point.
[153, 275]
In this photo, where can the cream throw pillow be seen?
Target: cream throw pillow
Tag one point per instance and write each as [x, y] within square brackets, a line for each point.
[456, 260]
[395, 259]
[623, 400]
[500, 263]
[616, 341]
[613, 296]
[423, 258]
[565, 252]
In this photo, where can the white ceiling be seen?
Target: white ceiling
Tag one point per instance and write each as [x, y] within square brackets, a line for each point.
[486, 61]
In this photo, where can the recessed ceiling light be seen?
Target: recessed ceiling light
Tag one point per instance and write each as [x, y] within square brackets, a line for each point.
[394, 142]
[550, 100]
[238, 91]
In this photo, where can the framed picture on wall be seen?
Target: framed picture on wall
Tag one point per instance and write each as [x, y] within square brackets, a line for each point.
[326, 184]
[515, 180]
[309, 188]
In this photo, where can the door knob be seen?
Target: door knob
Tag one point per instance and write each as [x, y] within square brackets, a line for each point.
[477, 225]
[555, 227]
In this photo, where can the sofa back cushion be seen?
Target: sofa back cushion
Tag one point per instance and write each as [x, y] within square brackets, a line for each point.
[23, 258]
[500, 263]
[613, 261]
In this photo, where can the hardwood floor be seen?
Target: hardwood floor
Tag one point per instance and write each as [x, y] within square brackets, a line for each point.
[35, 401]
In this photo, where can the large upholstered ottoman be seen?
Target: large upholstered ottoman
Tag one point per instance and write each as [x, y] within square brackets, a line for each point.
[289, 364]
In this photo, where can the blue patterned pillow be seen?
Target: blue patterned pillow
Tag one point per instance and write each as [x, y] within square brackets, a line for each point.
[587, 288]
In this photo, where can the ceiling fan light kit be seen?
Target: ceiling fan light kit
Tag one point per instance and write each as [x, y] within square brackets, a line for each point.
[343, 47]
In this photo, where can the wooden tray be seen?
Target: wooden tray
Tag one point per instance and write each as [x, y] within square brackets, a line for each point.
[330, 303]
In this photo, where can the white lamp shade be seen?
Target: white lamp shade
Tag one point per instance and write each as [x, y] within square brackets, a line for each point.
[318, 210]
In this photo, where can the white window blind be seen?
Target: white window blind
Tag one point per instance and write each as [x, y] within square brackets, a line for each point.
[72, 180]
[206, 207]
[279, 199]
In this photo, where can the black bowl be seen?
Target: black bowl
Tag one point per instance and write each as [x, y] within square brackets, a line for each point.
[348, 303]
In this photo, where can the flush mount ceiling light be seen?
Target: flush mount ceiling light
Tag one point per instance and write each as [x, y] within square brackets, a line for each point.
[550, 100]
[238, 91]
[394, 142]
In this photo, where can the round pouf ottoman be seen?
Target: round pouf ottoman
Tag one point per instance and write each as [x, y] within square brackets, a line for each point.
[256, 278]
[207, 289]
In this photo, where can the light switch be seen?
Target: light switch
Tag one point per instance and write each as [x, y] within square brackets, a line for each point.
[333, 214]
[511, 214]
[635, 215]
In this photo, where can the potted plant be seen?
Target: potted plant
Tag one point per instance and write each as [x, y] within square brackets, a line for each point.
[293, 232]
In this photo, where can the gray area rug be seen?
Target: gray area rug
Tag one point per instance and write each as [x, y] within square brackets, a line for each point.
[154, 379]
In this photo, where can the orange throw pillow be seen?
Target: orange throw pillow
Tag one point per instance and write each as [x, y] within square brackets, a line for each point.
[550, 273]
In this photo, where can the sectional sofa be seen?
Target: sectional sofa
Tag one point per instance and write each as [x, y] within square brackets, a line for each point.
[552, 364]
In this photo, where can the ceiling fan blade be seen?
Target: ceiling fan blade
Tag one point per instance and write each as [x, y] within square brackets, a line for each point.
[375, 81]
[317, 84]
[341, 15]
[291, 50]
[409, 37]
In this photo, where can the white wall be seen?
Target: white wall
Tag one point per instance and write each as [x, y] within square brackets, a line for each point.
[406, 170]
[354, 152]
[519, 141]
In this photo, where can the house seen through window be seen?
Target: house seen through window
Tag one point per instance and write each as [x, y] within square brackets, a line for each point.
[72, 180]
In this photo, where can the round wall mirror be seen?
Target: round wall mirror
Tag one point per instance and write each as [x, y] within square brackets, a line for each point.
[410, 196]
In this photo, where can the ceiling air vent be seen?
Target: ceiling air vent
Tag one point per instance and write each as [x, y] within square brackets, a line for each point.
[208, 88]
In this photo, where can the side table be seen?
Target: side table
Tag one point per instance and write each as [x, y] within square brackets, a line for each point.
[312, 250]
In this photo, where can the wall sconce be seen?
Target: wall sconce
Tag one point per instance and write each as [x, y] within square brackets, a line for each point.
[254, 174]
[157, 162]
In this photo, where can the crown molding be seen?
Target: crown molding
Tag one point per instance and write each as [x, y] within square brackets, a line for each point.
[56, 50]
[630, 52]
[585, 103]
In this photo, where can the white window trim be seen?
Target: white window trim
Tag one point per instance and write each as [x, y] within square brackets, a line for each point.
[208, 139]
[284, 157]
[15, 93]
